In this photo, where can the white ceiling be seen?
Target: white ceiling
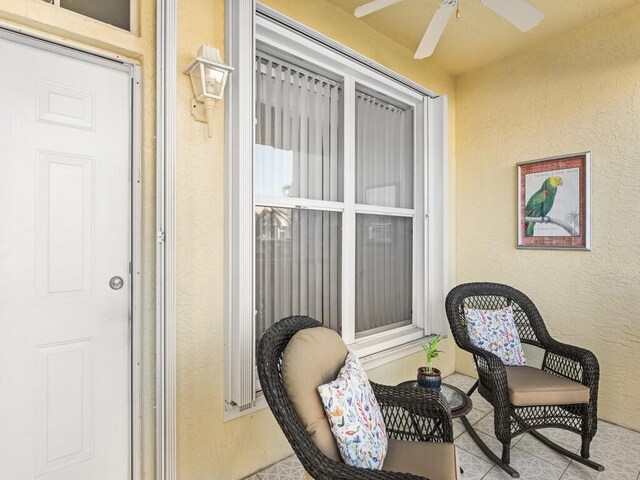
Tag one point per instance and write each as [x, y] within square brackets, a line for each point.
[480, 37]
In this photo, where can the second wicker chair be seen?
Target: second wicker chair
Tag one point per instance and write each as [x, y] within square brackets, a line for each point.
[526, 399]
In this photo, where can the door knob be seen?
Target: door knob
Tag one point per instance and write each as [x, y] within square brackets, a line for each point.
[116, 283]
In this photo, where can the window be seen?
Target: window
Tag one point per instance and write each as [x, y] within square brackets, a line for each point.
[335, 205]
[113, 12]
[298, 160]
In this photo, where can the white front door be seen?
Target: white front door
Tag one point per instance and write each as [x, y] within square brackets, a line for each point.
[65, 349]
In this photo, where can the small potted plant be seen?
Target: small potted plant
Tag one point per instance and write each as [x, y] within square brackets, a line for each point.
[428, 376]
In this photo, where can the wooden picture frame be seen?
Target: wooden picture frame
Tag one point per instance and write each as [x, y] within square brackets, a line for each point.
[554, 203]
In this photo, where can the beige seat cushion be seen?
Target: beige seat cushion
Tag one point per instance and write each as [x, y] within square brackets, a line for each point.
[436, 461]
[313, 357]
[532, 386]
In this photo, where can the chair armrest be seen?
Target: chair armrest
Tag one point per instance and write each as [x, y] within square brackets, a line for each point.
[493, 375]
[563, 359]
[496, 372]
[414, 414]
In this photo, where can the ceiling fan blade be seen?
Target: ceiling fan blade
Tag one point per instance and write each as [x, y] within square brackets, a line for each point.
[435, 29]
[374, 6]
[520, 13]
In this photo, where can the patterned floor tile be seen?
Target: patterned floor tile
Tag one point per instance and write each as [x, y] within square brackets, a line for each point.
[619, 464]
[463, 382]
[568, 475]
[609, 432]
[458, 428]
[529, 466]
[569, 440]
[288, 469]
[627, 453]
[480, 403]
[475, 415]
[486, 424]
[474, 468]
[465, 442]
[533, 446]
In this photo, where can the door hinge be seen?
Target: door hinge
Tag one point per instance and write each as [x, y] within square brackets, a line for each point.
[161, 236]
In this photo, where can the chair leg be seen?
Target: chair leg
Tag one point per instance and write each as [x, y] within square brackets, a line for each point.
[584, 451]
[487, 451]
[506, 453]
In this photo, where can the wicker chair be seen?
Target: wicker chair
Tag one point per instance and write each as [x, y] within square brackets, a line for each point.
[496, 383]
[410, 415]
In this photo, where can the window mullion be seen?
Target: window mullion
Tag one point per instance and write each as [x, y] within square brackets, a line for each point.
[420, 188]
[349, 216]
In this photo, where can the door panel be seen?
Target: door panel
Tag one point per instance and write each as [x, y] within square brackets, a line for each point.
[65, 215]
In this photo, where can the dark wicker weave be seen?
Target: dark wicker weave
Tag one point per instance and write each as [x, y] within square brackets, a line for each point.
[560, 359]
[409, 414]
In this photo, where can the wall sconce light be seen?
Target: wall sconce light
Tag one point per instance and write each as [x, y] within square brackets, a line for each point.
[208, 77]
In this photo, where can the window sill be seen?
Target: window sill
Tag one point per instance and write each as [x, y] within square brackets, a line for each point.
[384, 357]
[385, 341]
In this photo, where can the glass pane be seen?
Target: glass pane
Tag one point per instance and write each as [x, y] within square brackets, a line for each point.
[384, 153]
[113, 12]
[298, 150]
[384, 258]
[298, 266]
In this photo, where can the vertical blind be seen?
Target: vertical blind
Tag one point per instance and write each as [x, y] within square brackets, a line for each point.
[298, 132]
[384, 243]
[298, 154]
[384, 153]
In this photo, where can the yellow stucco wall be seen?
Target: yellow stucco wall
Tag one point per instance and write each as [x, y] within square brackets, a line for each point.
[209, 447]
[579, 92]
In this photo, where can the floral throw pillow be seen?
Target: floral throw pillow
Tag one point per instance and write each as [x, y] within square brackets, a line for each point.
[496, 332]
[355, 417]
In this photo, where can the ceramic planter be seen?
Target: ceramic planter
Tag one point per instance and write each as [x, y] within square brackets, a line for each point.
[431, 379]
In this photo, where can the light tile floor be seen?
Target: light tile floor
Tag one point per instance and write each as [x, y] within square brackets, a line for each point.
[617, 448]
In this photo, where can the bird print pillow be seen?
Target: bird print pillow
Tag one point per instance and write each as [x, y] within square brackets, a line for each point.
[496, 332]
[355, 417]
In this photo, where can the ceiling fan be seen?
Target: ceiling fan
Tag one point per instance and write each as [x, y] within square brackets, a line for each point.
[520, 13]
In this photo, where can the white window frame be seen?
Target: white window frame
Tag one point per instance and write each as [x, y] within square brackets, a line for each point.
[286, 37]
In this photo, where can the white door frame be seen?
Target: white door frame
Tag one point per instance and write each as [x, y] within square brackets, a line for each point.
[166, 133]
[99, 57]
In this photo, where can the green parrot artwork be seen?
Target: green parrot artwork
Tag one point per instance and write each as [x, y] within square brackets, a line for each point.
[541, 202]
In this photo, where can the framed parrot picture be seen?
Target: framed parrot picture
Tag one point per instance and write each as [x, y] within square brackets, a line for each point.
[554, 203]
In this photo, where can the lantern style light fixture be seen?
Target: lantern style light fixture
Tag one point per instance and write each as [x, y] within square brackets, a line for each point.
[208, 78]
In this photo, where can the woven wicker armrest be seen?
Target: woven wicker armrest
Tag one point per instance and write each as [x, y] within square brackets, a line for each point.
[494, 366]
[414, 414]
[573, 362]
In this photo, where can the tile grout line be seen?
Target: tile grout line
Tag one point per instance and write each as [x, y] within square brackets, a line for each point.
[565, 470]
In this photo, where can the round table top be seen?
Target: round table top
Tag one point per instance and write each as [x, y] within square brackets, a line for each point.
[459, 402]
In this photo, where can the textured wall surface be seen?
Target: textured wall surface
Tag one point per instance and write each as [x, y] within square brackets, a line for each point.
[580, 92]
